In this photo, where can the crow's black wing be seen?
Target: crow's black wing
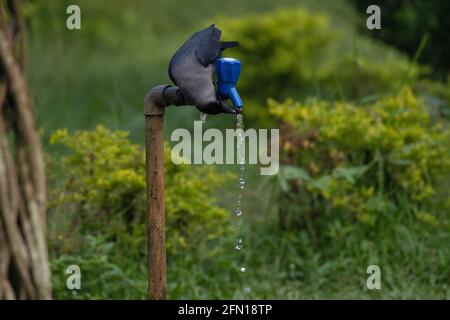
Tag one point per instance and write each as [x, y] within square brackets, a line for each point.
[207, 45]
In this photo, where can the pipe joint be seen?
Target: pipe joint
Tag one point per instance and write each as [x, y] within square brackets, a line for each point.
[160, 97]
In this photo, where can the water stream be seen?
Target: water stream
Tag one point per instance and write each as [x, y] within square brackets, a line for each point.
[239, 243]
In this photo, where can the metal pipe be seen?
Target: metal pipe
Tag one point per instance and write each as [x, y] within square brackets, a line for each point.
[156, 101]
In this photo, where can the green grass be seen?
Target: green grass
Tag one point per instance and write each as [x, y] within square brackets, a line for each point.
[279, 266]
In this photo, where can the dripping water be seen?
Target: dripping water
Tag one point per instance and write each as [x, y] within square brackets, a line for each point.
[239, 243]
[203, 117]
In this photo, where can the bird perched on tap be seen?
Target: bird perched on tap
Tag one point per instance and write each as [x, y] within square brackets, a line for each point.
[192, 69]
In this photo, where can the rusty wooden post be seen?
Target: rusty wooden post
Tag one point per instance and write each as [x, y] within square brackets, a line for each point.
[155, 103]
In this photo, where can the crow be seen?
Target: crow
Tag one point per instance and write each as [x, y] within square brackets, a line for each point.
[192, 67]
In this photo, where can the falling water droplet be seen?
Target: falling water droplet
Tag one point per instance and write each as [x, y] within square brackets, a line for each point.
[203, 117]
[247, 290]
[241, 183]
[239, 246]
[239, 121]
[242, 269]
[238, 212]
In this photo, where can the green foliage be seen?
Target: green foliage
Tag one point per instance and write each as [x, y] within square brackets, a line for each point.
[363, 159]
[405, 22]
[436, 96]
[332, 233]
[102, 271]
[101, 186]
[122, 51]
[297, 53]
[365, 184]
[104, 170]
[279, 48]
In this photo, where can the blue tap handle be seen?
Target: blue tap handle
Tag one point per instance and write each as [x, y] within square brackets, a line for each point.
[227, 71]
[235, 98]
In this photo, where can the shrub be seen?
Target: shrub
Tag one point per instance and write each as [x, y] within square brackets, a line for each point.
[296, 53]
[363, 160]
[103, 275]
[100, 187]
[436, 96]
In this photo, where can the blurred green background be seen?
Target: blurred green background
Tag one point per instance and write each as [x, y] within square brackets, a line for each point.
[363, 118]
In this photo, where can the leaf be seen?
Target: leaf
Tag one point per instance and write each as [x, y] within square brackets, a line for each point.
[350, 173]
[399, 162]
[321, 183]
[291, 172]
